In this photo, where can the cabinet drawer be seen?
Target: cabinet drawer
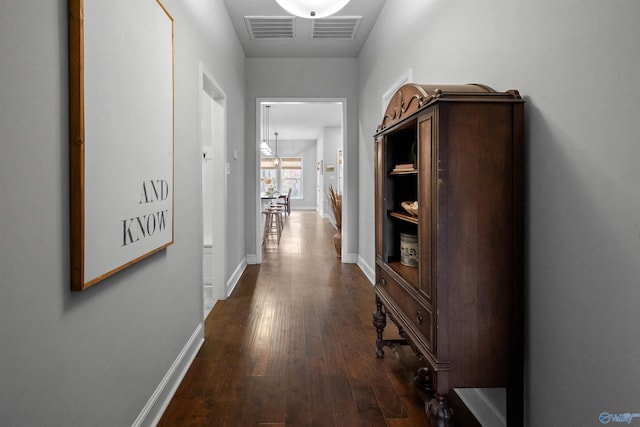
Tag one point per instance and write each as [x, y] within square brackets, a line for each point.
[419, 317]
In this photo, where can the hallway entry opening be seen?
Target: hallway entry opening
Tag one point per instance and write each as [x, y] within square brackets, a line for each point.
[309, 132]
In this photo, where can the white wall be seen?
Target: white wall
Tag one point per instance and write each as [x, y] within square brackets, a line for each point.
[332, 137]
[217, 47]
[302, 78]
[576, 63]
[305, 148]
[95, 357]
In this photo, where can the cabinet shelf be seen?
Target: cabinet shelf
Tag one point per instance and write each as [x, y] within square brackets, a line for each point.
[404, 217]
[410, 274]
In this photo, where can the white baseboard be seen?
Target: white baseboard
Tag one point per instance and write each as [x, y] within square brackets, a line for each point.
[366, 269]
[488, 405]
[157, 404]
[235, 277]
[350, 259]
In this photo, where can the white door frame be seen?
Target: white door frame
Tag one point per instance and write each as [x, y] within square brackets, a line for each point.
[211, 92]
[345, 196]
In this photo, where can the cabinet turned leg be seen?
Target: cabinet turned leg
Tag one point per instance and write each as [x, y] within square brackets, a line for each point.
[422, 380]
[440, 411]
[379, 322]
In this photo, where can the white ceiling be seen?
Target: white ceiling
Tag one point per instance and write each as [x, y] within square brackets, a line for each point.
[301, 121]
[301, 45]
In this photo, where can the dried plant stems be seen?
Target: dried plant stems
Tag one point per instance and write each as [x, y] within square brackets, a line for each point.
[335, 200]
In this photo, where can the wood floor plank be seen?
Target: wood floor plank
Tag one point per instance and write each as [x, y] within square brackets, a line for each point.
[250, 405]
[298, 405]
[388, 398]
[294, 346]
[344, 406]
[276, 390]
[320, 398]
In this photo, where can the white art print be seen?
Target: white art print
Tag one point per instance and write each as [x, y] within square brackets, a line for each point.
[121, 130]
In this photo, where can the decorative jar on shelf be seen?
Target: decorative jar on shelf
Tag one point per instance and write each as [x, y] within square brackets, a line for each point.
[409, 249]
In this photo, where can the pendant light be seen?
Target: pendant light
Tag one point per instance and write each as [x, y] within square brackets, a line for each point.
[276, 161]
[312, 9]
[265, 147]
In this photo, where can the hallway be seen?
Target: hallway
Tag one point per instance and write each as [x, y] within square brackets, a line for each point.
[294, 346]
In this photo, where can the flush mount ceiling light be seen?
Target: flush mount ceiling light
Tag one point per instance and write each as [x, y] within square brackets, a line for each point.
[312, 9]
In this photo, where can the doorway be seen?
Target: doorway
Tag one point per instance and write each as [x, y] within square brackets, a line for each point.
[214, 191]
[326, 127]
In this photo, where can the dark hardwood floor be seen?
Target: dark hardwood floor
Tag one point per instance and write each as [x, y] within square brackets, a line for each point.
[294, 346]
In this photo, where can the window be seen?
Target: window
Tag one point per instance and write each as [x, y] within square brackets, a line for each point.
[291, 176]
[267, 170]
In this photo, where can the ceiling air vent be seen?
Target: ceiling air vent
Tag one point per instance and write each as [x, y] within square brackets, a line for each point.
[270, 27]
[335, 28]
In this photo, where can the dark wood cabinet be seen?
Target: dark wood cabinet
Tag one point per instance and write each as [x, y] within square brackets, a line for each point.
[458, 151]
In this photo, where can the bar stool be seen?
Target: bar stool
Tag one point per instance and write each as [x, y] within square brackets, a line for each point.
[273, 223]
[281, 208]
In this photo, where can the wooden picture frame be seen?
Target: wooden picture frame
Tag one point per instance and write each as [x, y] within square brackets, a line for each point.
[121, 131]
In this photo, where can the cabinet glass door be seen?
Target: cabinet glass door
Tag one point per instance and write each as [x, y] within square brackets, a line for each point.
[400, 193]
